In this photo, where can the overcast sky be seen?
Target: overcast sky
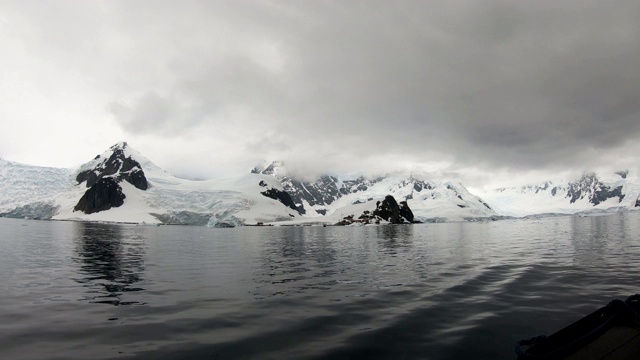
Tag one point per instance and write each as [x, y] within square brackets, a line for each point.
[486, 91]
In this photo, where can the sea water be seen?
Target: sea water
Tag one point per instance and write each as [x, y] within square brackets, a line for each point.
[74, 290]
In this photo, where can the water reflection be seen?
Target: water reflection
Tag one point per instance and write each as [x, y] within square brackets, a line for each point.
[110, 262]
[295, 260]
[394, 237]
[589, 236]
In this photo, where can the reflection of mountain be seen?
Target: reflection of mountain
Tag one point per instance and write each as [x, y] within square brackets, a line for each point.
[393, 237]
[294, 260]
[109, 262]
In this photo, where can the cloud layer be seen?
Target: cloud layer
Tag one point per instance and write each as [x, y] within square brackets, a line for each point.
[453, 86]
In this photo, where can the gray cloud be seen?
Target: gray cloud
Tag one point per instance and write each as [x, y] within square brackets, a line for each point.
[490, 85]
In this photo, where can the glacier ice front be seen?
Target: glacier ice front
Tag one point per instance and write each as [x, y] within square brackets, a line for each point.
[121, 185]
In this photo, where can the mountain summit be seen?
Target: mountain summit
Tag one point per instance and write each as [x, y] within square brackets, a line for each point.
[103, 176]
[117, 163]
[328, 194]
[590, 192]
[121, 185]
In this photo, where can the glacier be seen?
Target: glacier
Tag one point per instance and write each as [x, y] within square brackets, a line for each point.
[49, 193]
[269, 194]
[593, 192]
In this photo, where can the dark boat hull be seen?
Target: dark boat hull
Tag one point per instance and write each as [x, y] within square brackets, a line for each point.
[610, 333]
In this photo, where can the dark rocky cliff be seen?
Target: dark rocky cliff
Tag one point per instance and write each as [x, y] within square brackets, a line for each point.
[105, 194]
[281, 196]
[389, 210]
[117, 165]
[103, 180]
[327, 189]
[406, 212]
[590, 187]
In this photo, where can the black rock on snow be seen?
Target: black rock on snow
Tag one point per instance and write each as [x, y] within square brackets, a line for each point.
[323, 191]
[388, 210]
[281, 196]
[103, 195]
[405, 212]
[118, 166]
[326, 189]
[590, 187]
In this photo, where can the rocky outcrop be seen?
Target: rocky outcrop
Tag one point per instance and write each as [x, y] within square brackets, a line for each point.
[118, 166]
[105, 194]
[590, 187]
[321, 195]
[327, 189]
[323, 191]
[281, 196]
[405, 212]
[389, 210]
[102, 177]
[386, 210]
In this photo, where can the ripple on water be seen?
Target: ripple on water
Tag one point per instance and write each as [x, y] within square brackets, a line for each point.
[435, 291]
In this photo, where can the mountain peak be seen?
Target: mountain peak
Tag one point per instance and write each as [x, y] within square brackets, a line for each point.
[119, 146]
[272, 168]
[118, 163]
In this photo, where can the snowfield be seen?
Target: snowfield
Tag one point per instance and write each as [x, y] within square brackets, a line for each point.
[543, 199]
[51, 193]
[446, 201]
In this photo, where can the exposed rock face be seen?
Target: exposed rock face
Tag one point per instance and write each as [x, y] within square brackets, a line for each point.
[588, 187]
[593, 189]
[281, 196]
[623, 174]
[323, 191]
[102, 177]
[136, 178]
[105, 194]
[320, 195]
[389, 210]
[326, 189]
[406, 212]
[458, 194]
[118, 165]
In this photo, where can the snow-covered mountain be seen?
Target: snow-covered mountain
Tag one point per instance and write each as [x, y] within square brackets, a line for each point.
[333, 195]
[122, 185]
[591, 192]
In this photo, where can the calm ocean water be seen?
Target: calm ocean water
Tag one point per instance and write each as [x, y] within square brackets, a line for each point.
[433, 291]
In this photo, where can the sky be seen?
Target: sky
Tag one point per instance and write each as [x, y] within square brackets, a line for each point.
[486, 92]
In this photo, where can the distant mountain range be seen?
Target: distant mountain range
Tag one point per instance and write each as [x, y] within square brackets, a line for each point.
[430, 200]
[590, 193]
[121, 185]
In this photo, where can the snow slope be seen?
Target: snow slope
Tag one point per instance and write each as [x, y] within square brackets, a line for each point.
[48, 193]
[591, 192]
[332, 195]
[444, 201]
[169, 199]
[31, 191]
